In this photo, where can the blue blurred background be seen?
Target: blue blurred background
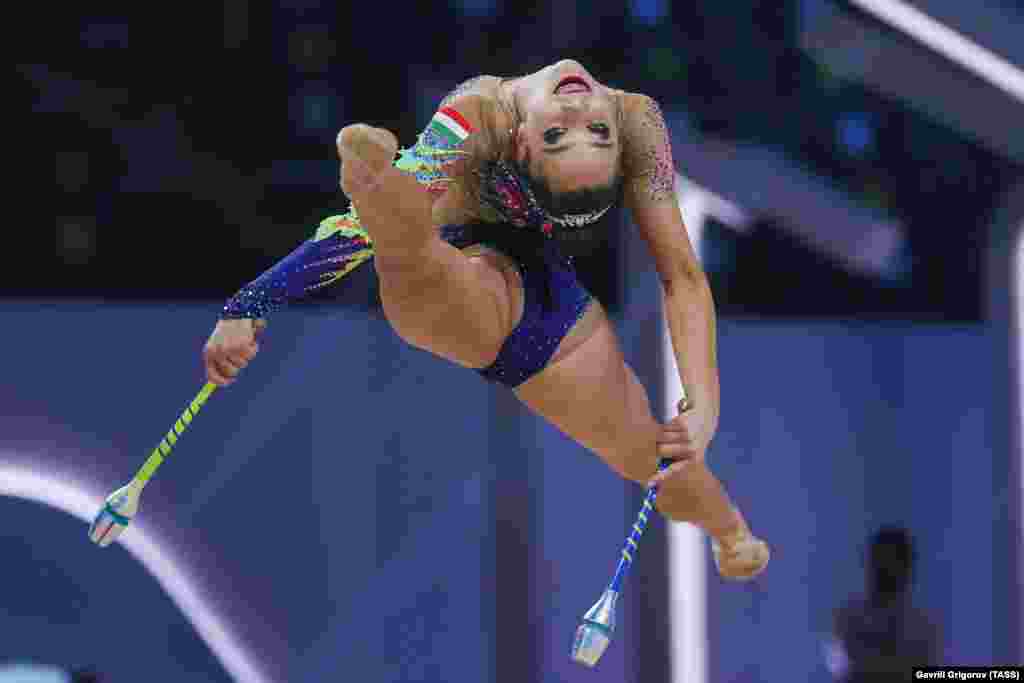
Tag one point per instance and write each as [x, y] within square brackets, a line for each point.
[355, 509]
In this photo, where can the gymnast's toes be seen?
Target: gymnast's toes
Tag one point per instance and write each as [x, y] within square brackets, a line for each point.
[376, 147]
[743, 560]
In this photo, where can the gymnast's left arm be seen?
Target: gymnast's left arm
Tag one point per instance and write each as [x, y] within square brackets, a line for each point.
[339, 245]
[649, 185]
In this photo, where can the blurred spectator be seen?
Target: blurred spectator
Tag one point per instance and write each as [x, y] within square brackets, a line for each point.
[86, 676]
[881, 636]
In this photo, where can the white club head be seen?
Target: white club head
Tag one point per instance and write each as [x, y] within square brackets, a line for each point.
[115, 515]
[595, 633]
[590, 643]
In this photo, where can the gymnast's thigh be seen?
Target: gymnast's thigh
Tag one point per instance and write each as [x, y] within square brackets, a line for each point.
[594, 397]
[462, 312]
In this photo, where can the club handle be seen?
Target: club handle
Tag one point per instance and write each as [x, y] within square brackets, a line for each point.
[633, 540]
[639, 526]
[164, 447]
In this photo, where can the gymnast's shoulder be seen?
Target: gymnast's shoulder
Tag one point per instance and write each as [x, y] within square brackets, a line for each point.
[637, 106]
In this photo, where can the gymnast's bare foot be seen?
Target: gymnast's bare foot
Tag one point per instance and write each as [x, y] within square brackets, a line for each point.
[365, 152]
[740, 557]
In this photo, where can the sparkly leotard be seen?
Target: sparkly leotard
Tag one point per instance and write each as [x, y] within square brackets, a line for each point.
[553, 298]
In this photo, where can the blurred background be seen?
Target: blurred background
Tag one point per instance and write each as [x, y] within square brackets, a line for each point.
[852, 174]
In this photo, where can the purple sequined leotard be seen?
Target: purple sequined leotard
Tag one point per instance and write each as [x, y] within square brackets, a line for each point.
[553, 298]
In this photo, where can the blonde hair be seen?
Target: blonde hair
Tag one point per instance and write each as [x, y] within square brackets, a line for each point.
[493, 142]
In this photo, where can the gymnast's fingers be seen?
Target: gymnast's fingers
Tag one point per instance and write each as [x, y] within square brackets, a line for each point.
[241, 356]
[214, 373]
[672, 470]
[676, 450]
[219, 367]
[230, 361]
[673, 436]
[676, 427]
[227, 369]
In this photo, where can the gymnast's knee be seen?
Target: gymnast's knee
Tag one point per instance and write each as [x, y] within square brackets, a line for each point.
[674, 500]
[679, 499]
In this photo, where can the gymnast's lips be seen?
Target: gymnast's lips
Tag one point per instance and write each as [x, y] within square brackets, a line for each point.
[571, 85]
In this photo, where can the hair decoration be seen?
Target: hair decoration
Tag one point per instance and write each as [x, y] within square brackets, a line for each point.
[508, 192]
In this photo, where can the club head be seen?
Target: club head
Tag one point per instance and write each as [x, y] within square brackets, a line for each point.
[590, 643]
[115, 515]
[595, 633]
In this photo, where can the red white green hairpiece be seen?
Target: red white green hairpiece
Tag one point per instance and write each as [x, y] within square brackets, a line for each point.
[451, 126]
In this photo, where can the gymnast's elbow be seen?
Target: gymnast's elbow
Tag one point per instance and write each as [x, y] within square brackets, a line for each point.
[683, 281]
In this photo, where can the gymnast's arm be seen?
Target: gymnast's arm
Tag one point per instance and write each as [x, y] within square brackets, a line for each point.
[338, 246]
[649, 183]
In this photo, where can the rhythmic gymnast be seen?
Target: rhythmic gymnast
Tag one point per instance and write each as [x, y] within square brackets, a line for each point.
[464, 228]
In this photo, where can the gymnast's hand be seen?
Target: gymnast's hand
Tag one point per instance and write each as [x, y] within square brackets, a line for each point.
[230, 348]
[684, 438]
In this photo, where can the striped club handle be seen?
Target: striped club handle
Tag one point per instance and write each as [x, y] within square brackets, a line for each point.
[633, 541]
[163, 449]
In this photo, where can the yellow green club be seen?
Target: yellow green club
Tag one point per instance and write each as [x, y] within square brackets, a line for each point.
[121, 505]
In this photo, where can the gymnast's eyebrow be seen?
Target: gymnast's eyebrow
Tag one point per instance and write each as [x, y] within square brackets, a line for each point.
[562, 148]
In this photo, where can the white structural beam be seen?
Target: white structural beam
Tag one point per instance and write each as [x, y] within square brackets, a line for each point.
[687, 580]
[952, 45]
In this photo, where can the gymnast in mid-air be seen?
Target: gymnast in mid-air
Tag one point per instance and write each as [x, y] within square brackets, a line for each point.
[464, 231]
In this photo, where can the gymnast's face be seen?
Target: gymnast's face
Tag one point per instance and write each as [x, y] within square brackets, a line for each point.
[569, 133]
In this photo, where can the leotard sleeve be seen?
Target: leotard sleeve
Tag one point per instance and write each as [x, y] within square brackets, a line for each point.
[338, 247]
